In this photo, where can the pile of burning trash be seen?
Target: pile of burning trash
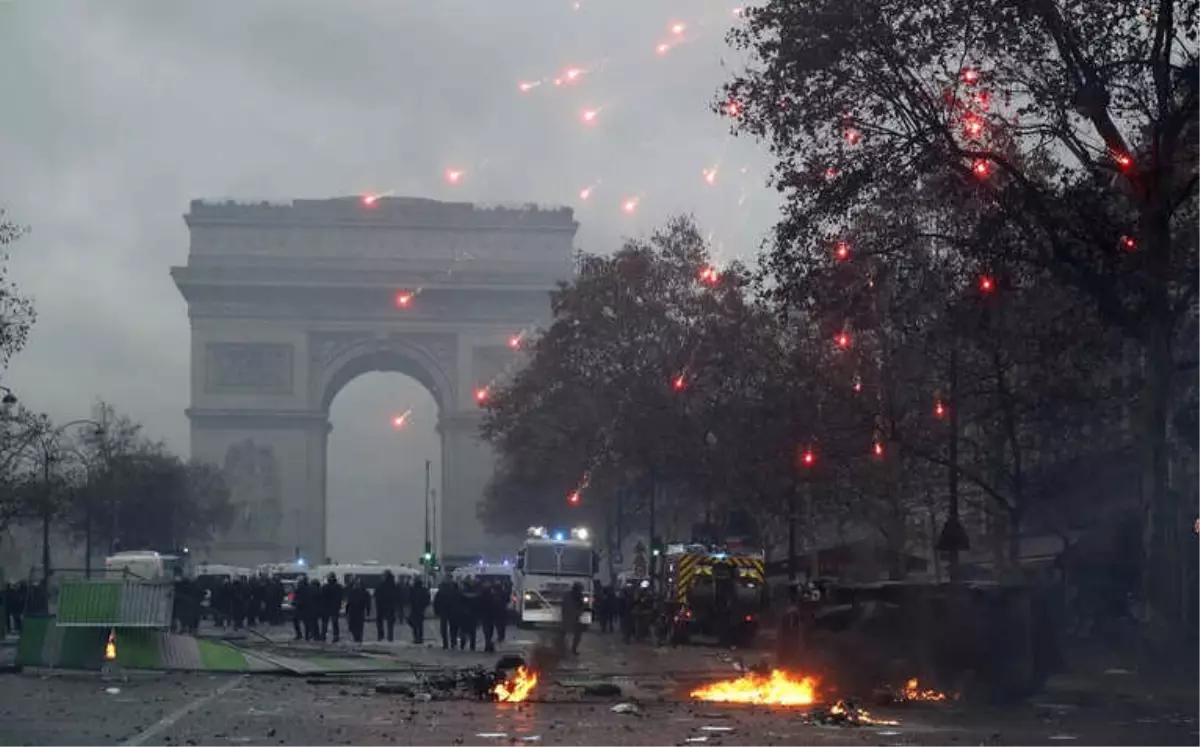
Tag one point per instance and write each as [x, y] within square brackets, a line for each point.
[779, 688]
[517, 687]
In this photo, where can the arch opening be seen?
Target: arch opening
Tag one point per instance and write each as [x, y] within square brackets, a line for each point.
[375, 493]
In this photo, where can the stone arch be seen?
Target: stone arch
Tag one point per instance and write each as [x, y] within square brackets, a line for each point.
[340, 364]
[289, 302]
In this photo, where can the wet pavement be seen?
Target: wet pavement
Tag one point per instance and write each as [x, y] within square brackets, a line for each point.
[148, 708]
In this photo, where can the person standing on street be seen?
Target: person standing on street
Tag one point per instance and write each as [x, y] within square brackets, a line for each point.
[385, 606]
[312, 618]
[418, 602]
[572, 609]
[300, 607]
[331, 608]
[468, 614]
[403, 589]
[487, 615]
[444, 606]
[358, 601]
[500, 609]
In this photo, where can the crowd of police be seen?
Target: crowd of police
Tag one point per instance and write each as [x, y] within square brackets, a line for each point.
[232, 602]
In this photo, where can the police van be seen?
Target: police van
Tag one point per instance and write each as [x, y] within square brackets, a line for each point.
[146, 565]
[370, 572]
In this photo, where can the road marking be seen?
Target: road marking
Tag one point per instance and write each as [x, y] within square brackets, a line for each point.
[169, 720]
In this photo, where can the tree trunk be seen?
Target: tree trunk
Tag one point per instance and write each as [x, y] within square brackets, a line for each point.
[1014, 543]
[46, 549]
[1160, 556]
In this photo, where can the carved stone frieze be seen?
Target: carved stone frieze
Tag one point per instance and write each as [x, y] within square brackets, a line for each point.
[517, 309]
[370, 242]
[325, 347]
[256, 492]
[237, 367]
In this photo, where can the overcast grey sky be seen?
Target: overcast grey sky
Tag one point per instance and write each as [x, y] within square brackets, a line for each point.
[116, 114]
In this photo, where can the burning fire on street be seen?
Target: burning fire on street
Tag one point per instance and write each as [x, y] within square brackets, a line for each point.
[778, 688]
[110, 647]
[912, 691]
[843, 712]
[516, 688]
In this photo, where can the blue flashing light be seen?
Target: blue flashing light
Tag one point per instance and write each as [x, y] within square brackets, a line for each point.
[559, 536]
[720, 555]
[481, 561]
[301, 561]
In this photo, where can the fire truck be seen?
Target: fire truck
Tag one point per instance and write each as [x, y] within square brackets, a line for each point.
[714, 591]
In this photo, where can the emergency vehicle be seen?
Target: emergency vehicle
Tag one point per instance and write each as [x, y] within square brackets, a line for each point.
[147, 565]
[714, 591]
[548, 564]
[211, 576]
[370, 572]
[289, 574]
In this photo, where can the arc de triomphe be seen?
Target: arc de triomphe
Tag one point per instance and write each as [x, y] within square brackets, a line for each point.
[290, 302]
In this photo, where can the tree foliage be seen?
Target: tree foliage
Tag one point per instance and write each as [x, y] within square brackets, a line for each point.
[652, 366]
[1062, 138]
[102, 478]
[16, 311]
[139, 495]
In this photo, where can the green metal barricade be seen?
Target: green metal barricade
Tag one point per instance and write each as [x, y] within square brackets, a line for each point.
[115, 604]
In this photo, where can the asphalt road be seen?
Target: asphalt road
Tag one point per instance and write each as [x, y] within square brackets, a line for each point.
[178, 709]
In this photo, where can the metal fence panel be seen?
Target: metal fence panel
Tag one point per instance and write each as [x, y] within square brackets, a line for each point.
[118, 604]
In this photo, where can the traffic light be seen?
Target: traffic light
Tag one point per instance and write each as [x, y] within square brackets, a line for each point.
[428, 558]
[656, 546]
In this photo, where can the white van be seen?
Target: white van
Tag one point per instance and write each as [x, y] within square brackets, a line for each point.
[210, 577]
[370, 573]
[145, 565]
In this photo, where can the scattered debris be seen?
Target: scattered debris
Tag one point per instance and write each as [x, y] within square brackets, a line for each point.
[626, 708]
[846, 713]
[602, 689]
[696, 740]
[394, 688]
[492, 735]
[113, 690]
[912, 690]
[716, 728]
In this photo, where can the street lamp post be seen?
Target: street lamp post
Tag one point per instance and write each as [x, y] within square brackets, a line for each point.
[428, 546]
[433, 530]
[46, 495]
[47, 458]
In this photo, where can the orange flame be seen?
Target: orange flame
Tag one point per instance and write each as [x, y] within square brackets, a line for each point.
[518, 688]
[913, 691]
[779, 688]
[110, 648]
[858, 715]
